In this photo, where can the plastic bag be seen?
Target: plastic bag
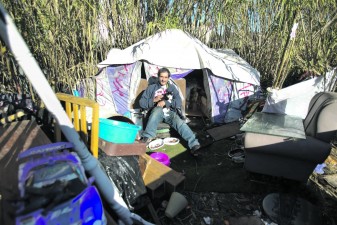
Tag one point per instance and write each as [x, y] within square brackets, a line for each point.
[124, 171]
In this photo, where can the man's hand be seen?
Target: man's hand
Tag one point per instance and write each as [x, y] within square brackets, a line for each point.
[158, 98]
[161, 104]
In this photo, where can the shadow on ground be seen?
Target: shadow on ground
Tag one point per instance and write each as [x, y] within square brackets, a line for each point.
[214, 171]
[220, 191]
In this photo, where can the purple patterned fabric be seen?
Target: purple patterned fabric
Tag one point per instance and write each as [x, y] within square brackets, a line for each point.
[119, 80]
[180, 75]
[221, 91]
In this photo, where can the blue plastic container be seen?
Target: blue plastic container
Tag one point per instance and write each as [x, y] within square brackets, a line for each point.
[117, 131]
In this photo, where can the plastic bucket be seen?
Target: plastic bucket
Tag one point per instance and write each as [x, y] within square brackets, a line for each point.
[161, 157]
[117, 131]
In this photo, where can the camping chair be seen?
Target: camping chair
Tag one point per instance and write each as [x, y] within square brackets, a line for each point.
[294, 158]
[76, 109]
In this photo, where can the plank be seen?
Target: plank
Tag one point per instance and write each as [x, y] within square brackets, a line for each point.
[15, 138]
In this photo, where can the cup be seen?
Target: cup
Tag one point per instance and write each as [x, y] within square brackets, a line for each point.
[76, 93]
[175, 205]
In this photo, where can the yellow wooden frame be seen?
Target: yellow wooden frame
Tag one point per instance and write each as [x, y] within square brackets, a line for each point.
[74, 105]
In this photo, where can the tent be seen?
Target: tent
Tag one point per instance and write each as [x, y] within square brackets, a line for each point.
[227, 79]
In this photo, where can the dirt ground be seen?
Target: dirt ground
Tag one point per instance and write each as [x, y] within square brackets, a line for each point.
[236, 205]
[233, 209]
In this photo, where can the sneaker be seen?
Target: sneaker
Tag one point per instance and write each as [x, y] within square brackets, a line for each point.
[146, 140]
[194, 150]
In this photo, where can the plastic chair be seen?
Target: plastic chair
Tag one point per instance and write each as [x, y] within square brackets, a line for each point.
[76, 109]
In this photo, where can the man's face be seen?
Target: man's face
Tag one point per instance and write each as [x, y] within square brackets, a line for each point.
[163, 78]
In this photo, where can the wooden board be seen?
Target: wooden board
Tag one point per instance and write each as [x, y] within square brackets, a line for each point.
[114, 149]
[15, 138]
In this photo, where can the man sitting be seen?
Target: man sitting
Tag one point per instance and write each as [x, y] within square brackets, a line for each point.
[153, 100]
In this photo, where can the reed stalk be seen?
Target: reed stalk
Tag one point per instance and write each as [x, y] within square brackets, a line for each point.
[70, 37]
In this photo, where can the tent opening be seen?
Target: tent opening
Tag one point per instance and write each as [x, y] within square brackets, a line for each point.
[196, 99]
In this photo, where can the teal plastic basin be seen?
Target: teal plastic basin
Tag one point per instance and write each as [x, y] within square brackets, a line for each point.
[117, 131]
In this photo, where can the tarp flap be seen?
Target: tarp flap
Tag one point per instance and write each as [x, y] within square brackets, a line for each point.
[221, 91]
[119, 79]
[294, 100]
[107, 106]
[228, 98]
[240, 95]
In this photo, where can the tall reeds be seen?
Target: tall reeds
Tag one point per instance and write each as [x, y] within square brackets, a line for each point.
[70, 37]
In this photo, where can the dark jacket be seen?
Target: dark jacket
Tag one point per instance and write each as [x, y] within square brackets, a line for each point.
[146, 101]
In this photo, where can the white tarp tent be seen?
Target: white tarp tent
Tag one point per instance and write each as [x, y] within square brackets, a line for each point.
[228, 78]
[177, 49]
[294, 100]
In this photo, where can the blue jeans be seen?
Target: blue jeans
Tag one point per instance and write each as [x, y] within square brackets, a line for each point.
[157, 116]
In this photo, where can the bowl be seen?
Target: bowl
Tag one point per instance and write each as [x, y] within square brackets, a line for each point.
[158, 143]
[161, 157]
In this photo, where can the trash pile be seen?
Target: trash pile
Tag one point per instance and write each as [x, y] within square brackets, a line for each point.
[241, 209]
[218, 208]
[325, 175]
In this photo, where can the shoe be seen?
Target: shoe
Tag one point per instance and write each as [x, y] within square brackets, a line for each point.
[194, 150]
[146, 140]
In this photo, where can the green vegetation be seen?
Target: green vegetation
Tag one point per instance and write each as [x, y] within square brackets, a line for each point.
[66, 36]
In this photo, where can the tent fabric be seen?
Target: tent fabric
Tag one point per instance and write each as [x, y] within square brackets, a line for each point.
[227, 97]
[120, 82]
[116, 88]
[228, 80]
[178, 49]
[294, 100]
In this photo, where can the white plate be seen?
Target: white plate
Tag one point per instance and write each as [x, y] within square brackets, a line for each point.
[171, 141]
[153, 145]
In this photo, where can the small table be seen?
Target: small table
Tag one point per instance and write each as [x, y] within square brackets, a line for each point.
[275, 124]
